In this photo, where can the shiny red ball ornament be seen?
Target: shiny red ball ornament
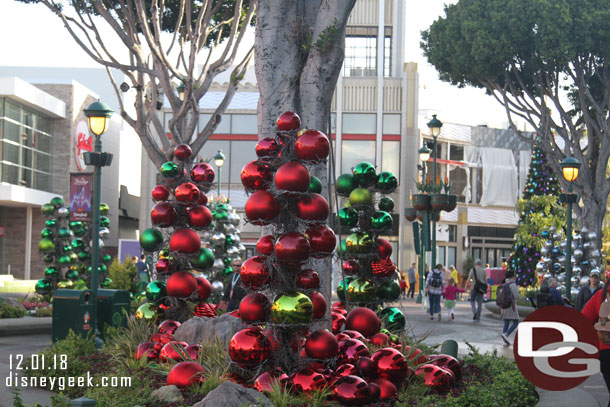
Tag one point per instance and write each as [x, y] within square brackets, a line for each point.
[307, 380]
[435, 377]
[181, 284]
[343, 312]
[387, 389]
[338, 321]
[292, 246]
[319, 304]
[261, 208]
[288, 121]
[185, 241]
[163, 266]
[321, 345]
[203, 199]
[322, 240]
[254, 273]
[351, 267]
[366, 367]
[267, 148]
[168, 327]
[199, 216]
[383, 267]
[161, 339]
[312, 145]
[351, 391]
[163, 215]
[160, 193]
[204, 288]
[350, 350]
[254, 307]
[264, 245]
[174, 350]
[380, 339]
[292, 176]
[202, 173]
[390, 365]
[313, 207]
[249, 347]
[187, 193]
[185, 374]
[350, 334]
[256, 175]
[346, 369]
[338, 304]
[448, 362]
[384, 248]
[374, 392]
[146, 349]
[182, 152]
[204, 309]
[414, 356]
[308, 279]
[364, 321]
[193, 351]
[265, 380]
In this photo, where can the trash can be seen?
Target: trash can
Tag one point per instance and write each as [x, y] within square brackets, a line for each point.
[112, 308]
[72, 309]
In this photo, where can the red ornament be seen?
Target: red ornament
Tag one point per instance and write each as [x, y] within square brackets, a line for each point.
[322, 240]
[183, 152]
[161, 339]
[163, 215]
[202, 173]
[256, 175]
[374, 392]
[185, 374]
[288, 121]
[415, 356]
[366, 367]
[343, 312]
[203, 199]
[292, 246]
[346, 369]
[387, 389]
[249, 347]
[199, 216]
[266, 380]
[261, 208]
[384, 248]
[364, 321]
[448, 362]
[160, 193]
[380, 339]
[312, 145]
[254, 307]
[254, 273]
[383, 267]
[146, 349]
[338, 322]
[350, 350]
[168, 327]
[307, 380]
[187, 193]
[308, 279]
[321, 345]
[204, 288]
[319, 304]
[350, 334]
[351, 391]
[435, 376]
[185, 241]
[264, 245]
[204, 309]
[174, 350]
[163, 266]
[390, 365]
[181, 284]
[267, 148]
[338, 304]
[292, 176]
[351, 267]
[194, 350]
[313, 207]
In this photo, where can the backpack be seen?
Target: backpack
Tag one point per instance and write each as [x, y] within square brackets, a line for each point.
[436, 279]
[504, 297]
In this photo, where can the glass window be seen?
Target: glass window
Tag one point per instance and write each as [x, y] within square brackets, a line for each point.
[209, 150]
[43, 162]
[43, 143]
[451, 253]
[10, 152]
[1, 107]
[356, 151]
[11, 131]
[242, 152]
[244, 124]
[456, 152]
[390, 157]
[10, 174]
[42, 181]
[360, 51]
[333, 123]
[224, 127]
[26, 177]
[387, 55]
[440, 255]
[457, 178]
[453, 233]
[391, 123]
[42, 124]
[12, 110]
[359, 123]
[26, 157]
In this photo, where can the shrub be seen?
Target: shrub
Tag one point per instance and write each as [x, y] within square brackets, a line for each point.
[9, 311]
[123, 275]
[43, 312]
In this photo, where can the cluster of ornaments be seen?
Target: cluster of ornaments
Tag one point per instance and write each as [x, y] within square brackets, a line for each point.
[179, 214]
[371, 276]
[66, 247]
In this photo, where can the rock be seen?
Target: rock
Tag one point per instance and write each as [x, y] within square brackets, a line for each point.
[169, 394]
[230, 394]
[198, 329]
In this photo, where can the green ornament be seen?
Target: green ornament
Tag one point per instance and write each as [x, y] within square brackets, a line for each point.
[164, 253]
[227, 271]
[73, 257]
[221, 215]
[47, 233]
[78, 244]
[359, 242]
[345, 184]
[83, 255]
[146, 311]
[315, 186]
[80, 284]
[381, 221]
[229, 241]
[393, 319]
[50, 223]
[361, 290]
[81, 268]
[385, 331]
[65, 284]
[141, 297]
[51, 272]
[156, 290]
[386, 204]
[226, 261]
[292, 308]
[63, 233]
[204, 261]
[57, 202]
[47, 209]
[170, 170]
[348, 217]
[388, 290]
[75, 224]
[341, 287]
[104, 222]
[64, 260]
[151, 239]
[360, 196]
[342, 247]
[106, 283]
[102, 268]
[104, 208]
[80, 232]
[43, 286]
[106, 258]
[72, 275]
[46, 245]
[386, 182]
[66, 249]
[48, 258]
[364, 174]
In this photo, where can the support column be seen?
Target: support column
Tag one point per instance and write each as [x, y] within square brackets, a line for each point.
[380, 51]
[339, 125]
[28, 243]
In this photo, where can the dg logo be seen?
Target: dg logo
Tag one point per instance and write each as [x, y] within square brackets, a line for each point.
[556, 348]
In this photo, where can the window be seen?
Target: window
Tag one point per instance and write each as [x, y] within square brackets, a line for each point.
[224, 127]
[451, 254]
[359, 123]
[361, 52]
[457, 178]
[244, 124]
[356, 151]
[209, 150]
[242, 152]
[390, 157]
[391, 123]
[440, 256]
[453, 233]
[456, 152]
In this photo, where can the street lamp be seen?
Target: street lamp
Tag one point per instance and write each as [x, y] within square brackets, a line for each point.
[180, 90]
[570, 168]
[98, 116]
[219, 160]
[435, 129]
[424, 156]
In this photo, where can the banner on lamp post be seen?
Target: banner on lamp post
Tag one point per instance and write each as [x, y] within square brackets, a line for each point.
[81, 185]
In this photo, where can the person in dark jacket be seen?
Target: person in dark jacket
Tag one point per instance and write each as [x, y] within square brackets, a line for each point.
[587, 291]
[233, 294]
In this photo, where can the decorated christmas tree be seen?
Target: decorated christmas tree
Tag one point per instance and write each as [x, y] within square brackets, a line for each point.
[541, 179]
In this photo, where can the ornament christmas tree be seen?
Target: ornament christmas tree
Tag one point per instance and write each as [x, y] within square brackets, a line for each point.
[541, 179]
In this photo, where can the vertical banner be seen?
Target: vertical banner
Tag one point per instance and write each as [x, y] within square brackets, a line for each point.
[81, 185]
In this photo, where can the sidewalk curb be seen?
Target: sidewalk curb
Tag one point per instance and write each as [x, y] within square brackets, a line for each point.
[573, 397]
[25, 325]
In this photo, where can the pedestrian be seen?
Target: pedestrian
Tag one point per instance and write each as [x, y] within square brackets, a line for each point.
[233, 294]
[478, 288]
[587, 291]
[412, 280]
[434, 289]
[446, 276]
[454, 275]
[403, 286]
[510, 315]
[450, 293]
[556, 298]
[143, 274]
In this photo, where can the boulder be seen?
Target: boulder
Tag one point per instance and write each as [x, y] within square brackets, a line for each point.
[169, 394]
[203, 329]
[230, 394]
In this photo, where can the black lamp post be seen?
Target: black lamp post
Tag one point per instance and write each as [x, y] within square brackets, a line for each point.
[424, 156]
[180, 90]
[435, 129]
[219, 160]
[570, 168]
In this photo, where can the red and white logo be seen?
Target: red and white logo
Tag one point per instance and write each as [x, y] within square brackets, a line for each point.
[82, 142]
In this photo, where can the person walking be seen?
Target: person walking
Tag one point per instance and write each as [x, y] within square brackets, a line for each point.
[587, 291]
[434, 289]
[478, 288]
[403, 287]
[412, 280]
[454, 275]
[510, 315]
[143, 274]
[450, 292]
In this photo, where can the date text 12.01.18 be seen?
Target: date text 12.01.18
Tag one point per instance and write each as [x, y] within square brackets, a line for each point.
[38, 362]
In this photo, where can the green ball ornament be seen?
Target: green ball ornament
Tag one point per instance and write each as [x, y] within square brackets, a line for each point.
[78, 244]
[81, 268]
[381, 221]
[73, 258]
[48, 258]
[348, 217]
[227, 271]
[64, 260]
[102, 268]
[72, 274]
[164, 253]
[104, 222]
[388, 290]
[141, 297]
[151, 239]
[46, 245]
[361, 290]
[57, 202]
[80, 232]
[106, 258]
[360, 196]
[393, 319]
[170, 170]
[66, 284]
[51, 272]
[146, 311]
[386, 182]
[364, 174]
[315, 186]
[50, 223]
[204, 261]
[226, 261]
[342, 287]
[83, 255]
[104, 208]
[221, 215]
[66, 249]
[292, 308]
[345, 184]
[47, 209]
[43, 287]
[386, 204]
[156, 290]
[63, 233]
[80, 284]
[359, 242]
[47, 233]
[75, 224]
[221, 207]
[106, 282]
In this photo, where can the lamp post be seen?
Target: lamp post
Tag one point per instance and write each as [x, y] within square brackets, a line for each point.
[435, 129]
[570, 168]
[98, 115]
[180, 90]
[219, 160]
[424, 156]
